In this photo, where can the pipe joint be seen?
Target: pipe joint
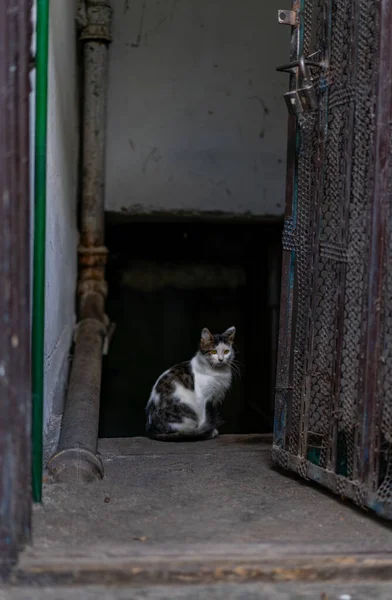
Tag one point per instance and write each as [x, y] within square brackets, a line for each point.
[75, 465]
[95, 18]
[91, 326]
[92, 261]
[92, 256]
[92, 286]
[92, 306]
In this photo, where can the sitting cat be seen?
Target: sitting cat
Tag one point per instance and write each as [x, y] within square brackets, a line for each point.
[184, 400]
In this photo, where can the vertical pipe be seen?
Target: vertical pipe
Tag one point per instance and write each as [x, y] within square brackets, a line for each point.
[94, 109]
[76, 459]
[38, 319]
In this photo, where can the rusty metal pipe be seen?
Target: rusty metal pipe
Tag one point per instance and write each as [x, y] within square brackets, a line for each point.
[76, 459]
[94, 107]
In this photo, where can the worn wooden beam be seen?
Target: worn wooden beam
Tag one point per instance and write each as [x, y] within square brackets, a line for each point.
[127, 566]
[15, 501]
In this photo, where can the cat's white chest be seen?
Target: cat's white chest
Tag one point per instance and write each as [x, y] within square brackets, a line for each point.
[211, 387]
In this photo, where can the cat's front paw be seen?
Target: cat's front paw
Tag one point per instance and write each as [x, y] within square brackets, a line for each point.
[214, 434]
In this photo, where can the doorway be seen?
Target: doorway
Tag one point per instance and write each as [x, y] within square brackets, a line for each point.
[167, 281]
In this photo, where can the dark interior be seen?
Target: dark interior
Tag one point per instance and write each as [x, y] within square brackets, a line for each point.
[167, 281]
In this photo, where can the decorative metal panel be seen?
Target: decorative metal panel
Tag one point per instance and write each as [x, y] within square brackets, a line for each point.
[333, 407]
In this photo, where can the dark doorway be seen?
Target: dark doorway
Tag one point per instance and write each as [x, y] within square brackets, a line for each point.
[167, 281]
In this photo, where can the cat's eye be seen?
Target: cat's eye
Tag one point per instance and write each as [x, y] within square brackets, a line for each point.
[227, 351]
[213, 352]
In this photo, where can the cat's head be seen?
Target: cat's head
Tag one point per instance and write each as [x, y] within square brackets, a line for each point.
[217, 348]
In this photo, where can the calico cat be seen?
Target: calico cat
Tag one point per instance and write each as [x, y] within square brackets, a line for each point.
[184, 400]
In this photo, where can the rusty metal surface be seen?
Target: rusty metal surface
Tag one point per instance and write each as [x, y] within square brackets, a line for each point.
[96, 36]
[334, 397]
[83, 400]
[75, 459]
[287, 17]
[15, 390]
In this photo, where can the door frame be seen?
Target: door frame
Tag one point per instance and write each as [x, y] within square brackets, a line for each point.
[15, 380]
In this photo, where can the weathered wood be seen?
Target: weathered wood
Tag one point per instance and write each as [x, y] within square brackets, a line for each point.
[127, 566]
[15, 502]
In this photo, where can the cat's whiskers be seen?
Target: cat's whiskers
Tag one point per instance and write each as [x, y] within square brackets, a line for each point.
[237, 363]
[235, 373]
[236, 367]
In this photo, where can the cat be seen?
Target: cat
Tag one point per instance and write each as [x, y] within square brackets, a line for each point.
[184, 400]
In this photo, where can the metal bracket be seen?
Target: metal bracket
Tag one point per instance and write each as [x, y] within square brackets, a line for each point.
[291, 67]
[108, 338]
[288, 17]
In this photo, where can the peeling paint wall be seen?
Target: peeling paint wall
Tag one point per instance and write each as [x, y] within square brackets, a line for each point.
[61, 236]
[196, 117]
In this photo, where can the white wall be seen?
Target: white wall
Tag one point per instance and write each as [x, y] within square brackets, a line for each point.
[196, 117]
[61, 232]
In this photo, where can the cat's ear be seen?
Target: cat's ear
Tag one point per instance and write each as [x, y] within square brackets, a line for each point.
[206, 335]
[230, 334]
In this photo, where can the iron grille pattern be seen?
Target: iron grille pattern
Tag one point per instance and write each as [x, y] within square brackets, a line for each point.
[322, 419]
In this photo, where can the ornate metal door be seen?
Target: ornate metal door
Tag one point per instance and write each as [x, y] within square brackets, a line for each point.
[333, 405]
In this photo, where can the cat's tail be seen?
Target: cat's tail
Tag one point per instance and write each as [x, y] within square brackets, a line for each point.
[205, 432]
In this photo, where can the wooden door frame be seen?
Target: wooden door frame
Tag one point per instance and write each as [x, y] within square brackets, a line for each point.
[15, 380]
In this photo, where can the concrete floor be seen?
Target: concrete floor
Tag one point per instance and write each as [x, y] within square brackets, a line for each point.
[187, 507]
[222, 491]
